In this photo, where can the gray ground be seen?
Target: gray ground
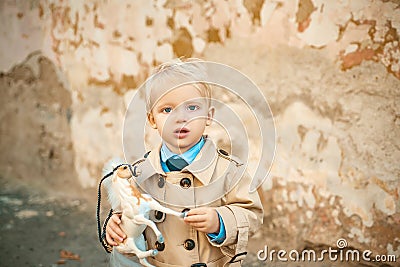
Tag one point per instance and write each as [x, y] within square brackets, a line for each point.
[36, 228]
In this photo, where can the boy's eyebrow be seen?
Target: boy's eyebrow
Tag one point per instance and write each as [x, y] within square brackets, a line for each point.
[196, 101]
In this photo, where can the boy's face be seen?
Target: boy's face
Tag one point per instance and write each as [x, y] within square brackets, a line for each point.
[180, 116]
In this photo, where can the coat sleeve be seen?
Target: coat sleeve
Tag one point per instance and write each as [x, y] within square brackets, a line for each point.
[242, 214]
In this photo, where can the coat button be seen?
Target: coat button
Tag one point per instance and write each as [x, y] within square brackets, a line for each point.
[185, 183]
[160, 246]
[158, 215]
[189, 244]
[161, 182]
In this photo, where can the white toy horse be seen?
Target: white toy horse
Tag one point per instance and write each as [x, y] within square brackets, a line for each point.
[125, 197]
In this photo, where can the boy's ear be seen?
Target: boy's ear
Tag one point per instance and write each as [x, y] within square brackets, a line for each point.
[151, 120]
[210, 116]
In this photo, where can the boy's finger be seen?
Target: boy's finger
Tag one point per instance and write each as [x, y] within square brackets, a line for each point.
[195, 218]
[117, 237]
[110, 240]
[119, 234]
[198, 225]
[116, 219]
[196, 211]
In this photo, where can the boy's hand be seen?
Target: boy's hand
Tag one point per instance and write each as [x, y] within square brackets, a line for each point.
[203, 219]
[114, 233]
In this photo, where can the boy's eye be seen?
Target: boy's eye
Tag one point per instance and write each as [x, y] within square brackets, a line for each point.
[193, 107]
[167, 110]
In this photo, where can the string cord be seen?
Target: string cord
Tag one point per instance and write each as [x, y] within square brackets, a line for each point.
[99, 205]
[99, 229]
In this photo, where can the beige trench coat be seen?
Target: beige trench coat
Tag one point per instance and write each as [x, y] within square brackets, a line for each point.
[213, 179]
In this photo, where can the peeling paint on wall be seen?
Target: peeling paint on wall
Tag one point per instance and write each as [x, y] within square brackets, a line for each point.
[335, 172]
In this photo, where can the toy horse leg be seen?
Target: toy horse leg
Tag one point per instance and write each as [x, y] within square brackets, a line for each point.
[144, 262]
[131, 247]
[140, 219]
[154, 205]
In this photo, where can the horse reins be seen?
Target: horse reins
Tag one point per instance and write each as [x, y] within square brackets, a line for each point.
[99, 229]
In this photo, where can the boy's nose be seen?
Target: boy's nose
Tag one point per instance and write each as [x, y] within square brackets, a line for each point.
[181, 115]
[181, 118]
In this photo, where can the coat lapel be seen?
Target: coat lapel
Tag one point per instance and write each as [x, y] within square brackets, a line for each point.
[204, 164]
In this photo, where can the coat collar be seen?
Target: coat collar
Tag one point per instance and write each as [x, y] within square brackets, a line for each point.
[202, 167]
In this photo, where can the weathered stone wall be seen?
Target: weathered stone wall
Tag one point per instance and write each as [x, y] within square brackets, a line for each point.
[330, 70]
[36, 144]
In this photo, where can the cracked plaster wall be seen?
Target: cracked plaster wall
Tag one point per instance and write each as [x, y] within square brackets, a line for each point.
[330, 70]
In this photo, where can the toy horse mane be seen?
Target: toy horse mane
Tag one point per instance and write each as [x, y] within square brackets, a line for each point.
[109, 167]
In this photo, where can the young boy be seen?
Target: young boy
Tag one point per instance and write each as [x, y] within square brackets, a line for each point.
[189, 173]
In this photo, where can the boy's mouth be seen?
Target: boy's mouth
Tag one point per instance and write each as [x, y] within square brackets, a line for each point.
[181, 132]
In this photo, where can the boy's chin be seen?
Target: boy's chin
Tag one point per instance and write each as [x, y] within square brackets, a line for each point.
[181, 146]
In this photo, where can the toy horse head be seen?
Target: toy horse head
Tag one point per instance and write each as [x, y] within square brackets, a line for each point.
[122, 181]
[123, 184]
[123, 171]
[119, 182]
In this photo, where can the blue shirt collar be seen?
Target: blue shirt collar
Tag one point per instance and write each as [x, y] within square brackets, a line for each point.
[188, 156]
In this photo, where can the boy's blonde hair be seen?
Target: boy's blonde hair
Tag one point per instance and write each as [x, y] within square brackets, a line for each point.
[173, 73]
